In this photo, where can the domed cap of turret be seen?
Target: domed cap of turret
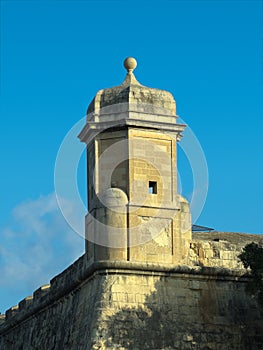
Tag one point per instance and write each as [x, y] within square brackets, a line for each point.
[135, 96]
[131, 105]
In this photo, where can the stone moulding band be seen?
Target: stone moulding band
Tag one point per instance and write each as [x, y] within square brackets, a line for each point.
[83, 270]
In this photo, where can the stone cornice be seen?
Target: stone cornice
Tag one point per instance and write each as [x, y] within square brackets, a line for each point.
[91, 128]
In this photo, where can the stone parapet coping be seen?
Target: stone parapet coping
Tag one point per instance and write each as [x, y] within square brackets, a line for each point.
[82, 270]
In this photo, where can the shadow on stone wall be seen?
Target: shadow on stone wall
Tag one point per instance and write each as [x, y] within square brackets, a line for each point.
[215, 317]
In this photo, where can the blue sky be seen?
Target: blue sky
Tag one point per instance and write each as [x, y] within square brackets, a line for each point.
[55, 55]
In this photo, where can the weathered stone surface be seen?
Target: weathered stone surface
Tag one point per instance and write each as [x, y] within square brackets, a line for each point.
[219, 249]
[158, 225]
[138, 306]
[132, 93]
[131, 136]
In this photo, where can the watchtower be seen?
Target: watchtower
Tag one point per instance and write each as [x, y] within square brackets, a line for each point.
[134, 288]
[135, 212]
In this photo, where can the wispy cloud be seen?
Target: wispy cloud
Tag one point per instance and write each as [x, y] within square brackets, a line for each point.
[35, 246]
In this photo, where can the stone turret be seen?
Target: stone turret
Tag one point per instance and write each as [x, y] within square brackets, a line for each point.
[131, 135]
[132, 289]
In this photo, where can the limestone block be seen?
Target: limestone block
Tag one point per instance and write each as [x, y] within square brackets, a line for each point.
[41, 291]
[11, 312]
[2, 318]
[25, 302]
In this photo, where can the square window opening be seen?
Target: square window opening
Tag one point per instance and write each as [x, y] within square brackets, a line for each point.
[152, 189]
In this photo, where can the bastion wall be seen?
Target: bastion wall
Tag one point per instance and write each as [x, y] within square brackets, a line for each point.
[128, 305]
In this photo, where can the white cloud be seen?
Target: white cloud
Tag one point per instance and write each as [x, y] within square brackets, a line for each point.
[35, 246]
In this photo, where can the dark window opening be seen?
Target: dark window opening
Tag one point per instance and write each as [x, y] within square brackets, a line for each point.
[152, 189]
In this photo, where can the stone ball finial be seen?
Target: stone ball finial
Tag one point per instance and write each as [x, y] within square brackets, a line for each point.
[130, 64]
